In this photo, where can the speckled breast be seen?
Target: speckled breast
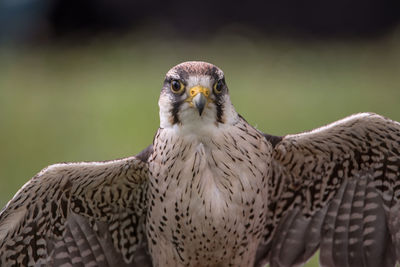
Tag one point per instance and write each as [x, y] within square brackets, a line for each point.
[207, 198]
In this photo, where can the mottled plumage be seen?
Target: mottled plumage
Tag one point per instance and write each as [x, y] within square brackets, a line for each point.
[214, 191]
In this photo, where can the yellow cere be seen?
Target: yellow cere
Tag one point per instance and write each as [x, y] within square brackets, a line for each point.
[199, 89]
[196, 90]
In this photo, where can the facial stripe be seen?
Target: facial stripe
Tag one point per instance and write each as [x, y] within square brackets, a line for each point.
[220, 110]
[175, 110]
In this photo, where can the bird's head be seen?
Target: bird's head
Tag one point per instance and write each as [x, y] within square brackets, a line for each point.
[195, 94]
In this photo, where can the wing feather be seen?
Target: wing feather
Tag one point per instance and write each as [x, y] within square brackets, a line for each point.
[79, 214]
[336, 188]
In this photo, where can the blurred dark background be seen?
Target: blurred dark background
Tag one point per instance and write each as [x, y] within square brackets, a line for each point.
[28, 20]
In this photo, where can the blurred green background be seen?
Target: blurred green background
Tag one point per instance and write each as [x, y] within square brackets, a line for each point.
[97, 99]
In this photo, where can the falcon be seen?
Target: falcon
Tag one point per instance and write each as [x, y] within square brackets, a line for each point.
[214, 191]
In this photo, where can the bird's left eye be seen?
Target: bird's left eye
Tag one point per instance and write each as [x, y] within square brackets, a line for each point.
[218, 86]
[177, 87]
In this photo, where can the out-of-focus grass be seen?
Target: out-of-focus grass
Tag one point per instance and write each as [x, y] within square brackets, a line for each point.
[99, 101]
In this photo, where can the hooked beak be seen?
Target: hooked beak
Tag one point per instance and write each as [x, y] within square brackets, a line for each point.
[199, 97]
[200, 102]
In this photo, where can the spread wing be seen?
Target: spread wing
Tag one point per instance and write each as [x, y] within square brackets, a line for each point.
[336, 188]
[79, 214]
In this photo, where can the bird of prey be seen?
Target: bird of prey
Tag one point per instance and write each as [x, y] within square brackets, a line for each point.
[214, 191]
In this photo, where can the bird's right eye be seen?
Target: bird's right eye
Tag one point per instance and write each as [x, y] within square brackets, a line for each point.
[177, 87]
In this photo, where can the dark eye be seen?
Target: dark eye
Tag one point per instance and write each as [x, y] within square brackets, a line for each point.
[218, 86]
[177, 87]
